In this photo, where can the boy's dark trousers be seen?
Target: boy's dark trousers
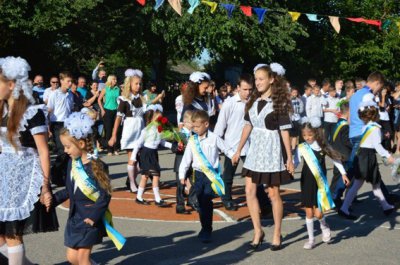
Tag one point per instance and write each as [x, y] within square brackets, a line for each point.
[205, 194]
[180, 190]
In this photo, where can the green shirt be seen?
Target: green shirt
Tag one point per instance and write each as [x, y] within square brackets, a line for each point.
[110, 98]
[149, 96]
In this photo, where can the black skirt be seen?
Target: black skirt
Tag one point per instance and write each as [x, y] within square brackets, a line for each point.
[40, 221]
[295, 130]
[308, 184]
[270, 179]
[148, 162]
[366, 166]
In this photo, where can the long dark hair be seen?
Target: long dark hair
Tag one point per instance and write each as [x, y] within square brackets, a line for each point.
[279, 93]
[191, 91]
[325, 147]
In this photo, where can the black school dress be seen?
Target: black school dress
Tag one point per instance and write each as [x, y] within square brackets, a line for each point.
[366, 166]
[309, 187]
[77, 233]
[20, 210]
[267, 154]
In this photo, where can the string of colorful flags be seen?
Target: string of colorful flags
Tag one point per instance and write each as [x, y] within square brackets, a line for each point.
[260, 13]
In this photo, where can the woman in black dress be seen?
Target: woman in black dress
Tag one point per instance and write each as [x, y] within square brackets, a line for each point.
[24, 162]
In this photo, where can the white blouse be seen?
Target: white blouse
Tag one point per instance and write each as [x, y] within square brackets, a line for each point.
[374, 140]
[315, 146]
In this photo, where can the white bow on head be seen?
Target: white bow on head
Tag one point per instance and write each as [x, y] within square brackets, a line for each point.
[198, 77]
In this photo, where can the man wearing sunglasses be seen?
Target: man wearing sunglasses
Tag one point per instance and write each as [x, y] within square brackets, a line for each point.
[54, 84]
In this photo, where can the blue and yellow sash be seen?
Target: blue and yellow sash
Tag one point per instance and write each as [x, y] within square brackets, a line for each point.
[339, 126]
[89, 188]
[324, 197]
[367, 132]
[214, 175]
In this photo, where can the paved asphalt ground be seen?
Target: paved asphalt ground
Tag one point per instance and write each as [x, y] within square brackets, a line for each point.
[372, 239]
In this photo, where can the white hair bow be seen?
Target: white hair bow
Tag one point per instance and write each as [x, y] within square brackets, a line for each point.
[367, 104]
[133, 72]
[198, 77]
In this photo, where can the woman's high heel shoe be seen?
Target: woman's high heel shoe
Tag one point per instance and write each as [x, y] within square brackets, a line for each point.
[255, 246]
[277, 247]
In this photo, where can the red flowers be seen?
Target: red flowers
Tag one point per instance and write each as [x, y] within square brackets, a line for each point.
[159, 118]
[164, 120]
[159, 128]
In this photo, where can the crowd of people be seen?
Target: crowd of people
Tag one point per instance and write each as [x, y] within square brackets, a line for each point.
[278, 128]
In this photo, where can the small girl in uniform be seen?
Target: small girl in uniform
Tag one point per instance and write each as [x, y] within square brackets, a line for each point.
[365, 163]
[130, 112]
[88, 188]
[148, 142]
[315, 192]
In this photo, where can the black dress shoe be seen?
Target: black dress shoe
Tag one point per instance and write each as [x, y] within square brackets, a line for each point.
[277, 247]
[388, 211]
[347, 216]
[142, 202]
[231, 206]
[180, 209]
[255, 246]
[161, 203]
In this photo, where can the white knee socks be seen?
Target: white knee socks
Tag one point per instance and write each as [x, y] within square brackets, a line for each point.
[156, 191]
[140, 193]
[4, 250]
[351, 194]
[16, 256]
[310, 229]
[376, 189]
[131, 175]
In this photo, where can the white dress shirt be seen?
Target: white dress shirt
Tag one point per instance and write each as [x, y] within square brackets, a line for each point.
[330, 103]
[210, 144]
[314, 106]
[47, 93]
[374, 140]
[60, 105]
[230, 124]
[315, 146]
[150, 138]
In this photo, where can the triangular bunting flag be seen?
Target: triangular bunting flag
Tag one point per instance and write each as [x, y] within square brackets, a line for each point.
[246, 10]
[229, 8]
[335, 23]
[176, 5]
[377, 23]
[213, 5]
[313, 17]
[193, 4]
[295, 15]
[260, 12]
[386, 24]
[142, 2]
[159, 3]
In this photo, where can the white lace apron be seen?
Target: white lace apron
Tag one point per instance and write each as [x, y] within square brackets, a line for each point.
[264, 154]
[132, 127]
[21, 178]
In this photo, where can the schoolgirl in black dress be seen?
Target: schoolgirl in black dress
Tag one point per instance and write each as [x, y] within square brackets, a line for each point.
[315, 193]
[365, 165]
[24, 162]
[147, 145]
[269, 158]
[130, 113]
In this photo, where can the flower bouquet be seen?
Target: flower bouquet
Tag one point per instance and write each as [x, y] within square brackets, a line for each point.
[168, 131]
